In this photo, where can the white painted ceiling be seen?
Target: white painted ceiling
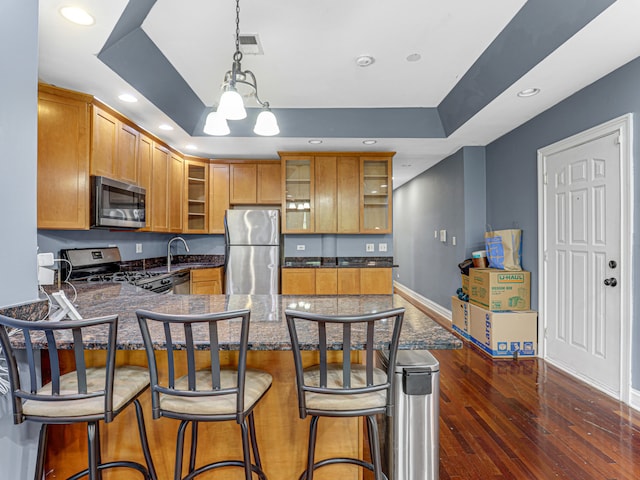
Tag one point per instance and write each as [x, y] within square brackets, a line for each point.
[310, 48]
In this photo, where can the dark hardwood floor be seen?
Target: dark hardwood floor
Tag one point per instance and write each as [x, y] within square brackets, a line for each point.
[524, 419]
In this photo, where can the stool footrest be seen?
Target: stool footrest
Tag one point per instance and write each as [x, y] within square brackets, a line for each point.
[224, 463]
[118, 464]
[336, 460]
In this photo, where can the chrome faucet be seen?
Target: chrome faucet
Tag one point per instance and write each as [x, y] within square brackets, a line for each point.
[186, 247]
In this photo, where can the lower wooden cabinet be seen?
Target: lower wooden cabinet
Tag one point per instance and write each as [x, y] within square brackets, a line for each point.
[206, 281]
[340, 281]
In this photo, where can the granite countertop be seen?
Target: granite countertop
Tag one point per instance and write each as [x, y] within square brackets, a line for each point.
[268, 324]
[338, 262]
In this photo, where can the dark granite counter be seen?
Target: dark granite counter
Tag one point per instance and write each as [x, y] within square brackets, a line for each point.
[268, 325]
[338, 262]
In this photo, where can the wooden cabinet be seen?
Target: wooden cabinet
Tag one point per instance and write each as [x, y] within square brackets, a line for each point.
[376, 281]
[254, 183]
[206, 281]
[196, 204]
[176, 188]
[114, 147]
[340, 281]
[298, 281]
[297, 194]
[336, 192]
[218, 196]
[160, 188]
[145, 173]
[376, 195]
[63, 159]
[348, 281]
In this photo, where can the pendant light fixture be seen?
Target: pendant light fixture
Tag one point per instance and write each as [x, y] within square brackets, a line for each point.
[231, 106]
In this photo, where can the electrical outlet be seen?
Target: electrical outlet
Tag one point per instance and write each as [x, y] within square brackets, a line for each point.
[453, 241]
[301, 247]
[382, 247]
[435, 234]
[370, 247]
[138, 248]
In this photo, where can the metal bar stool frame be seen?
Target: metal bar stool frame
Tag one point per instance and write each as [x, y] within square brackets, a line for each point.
[82, 375]
[369, 323]
[243, 414]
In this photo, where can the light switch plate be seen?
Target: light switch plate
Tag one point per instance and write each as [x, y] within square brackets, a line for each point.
[301, 247]
[443, 236]
[138, 248]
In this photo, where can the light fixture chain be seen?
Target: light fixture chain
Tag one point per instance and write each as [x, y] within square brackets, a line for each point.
[237, 26]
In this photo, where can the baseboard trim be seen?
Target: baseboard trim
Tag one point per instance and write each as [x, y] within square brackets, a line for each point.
[634, 400]
[428, 306]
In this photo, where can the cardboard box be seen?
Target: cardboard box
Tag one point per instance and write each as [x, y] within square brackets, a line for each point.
[460, 319]
[465, 284]
[495, 289]
[505, 334]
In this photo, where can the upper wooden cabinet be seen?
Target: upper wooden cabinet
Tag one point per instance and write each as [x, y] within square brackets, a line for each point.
[160, 188]
[376, 197]
[254, 183]
[336, 192]
[218, 196]
[145, 173]
[63, 159]
[176, 189]
[196, 204]
[114, 147]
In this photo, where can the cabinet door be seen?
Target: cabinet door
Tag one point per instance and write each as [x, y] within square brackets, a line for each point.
[298, 281]
[348, 281]
[327, 281]
[376, 281]
[144, 175]
[348, 194]
[207, 281]
[196, 202]
[63, 162]
[160, 189]
[126, 164]
[375, 186]
[175, 202]
[218, 195]
[104, 142]
[297, 194]
[243, 184]
[325, 184]
[268, 184]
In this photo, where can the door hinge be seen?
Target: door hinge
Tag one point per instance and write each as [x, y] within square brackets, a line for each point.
[545, 178]
[618, 139]
[545, 256]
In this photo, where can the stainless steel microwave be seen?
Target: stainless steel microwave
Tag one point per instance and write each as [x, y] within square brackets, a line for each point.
[116, 204]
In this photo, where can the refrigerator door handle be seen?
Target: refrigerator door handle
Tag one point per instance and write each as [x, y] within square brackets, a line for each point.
[226, 242]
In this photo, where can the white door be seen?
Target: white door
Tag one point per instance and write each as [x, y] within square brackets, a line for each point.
[582, 241]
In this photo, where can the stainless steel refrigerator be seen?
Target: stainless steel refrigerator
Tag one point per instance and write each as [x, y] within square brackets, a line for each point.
[252, 262]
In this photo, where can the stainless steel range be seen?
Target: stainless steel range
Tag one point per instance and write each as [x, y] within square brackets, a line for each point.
[103, 265]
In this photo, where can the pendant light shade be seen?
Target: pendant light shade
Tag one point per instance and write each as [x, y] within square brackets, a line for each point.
[231, 105]
[216, 124]
[266, 124]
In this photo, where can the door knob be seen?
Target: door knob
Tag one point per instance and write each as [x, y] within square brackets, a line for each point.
[611, 282]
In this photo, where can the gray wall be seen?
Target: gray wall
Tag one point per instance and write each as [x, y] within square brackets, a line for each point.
[449, 196]
[336, 245]
[18, 140]
[512, 167]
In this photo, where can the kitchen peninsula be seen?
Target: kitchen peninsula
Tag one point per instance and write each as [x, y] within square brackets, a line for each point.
[282, 435]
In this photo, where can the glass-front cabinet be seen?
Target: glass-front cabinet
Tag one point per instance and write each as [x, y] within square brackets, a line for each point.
[196, 211]
[298, 187]
[375, 205]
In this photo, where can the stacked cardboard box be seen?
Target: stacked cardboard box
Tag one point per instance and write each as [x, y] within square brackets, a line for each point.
[460, 318]
[500, 321]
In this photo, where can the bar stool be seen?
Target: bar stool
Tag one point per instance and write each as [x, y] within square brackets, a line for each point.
[345, 389]
[207, 394]
[86, 395]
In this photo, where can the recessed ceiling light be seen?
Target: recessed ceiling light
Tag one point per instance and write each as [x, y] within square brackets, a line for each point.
[365, 60]
[127, 97]
[369, 142]
[164, 126]
[528, 92]
[191, 146]
[77, 15]
[414, 57]
[315, 142]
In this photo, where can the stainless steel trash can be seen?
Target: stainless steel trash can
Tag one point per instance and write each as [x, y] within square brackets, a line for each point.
[411, 436]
